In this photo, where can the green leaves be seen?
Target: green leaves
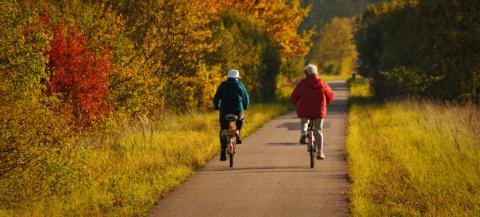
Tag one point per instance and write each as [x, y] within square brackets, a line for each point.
[23, 41]
[433, 39]
[407, 82]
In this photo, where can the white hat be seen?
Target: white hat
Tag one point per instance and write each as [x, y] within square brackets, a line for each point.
[233, 73]
[311, 69]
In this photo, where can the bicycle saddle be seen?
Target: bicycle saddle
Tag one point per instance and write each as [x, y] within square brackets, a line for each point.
[231, 117]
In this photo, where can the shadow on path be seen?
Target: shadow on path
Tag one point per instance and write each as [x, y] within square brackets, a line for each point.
[270, 169]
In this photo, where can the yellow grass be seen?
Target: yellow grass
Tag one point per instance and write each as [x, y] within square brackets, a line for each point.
[127, 177]
[412, 158]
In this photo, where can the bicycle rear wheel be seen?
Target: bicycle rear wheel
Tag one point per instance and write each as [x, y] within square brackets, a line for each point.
[230, 156]
[231, 153]
[312, 155]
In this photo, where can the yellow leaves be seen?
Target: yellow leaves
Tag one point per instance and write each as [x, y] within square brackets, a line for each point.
[280, 19]
[195, 92]
[387, 7]
[335, 47]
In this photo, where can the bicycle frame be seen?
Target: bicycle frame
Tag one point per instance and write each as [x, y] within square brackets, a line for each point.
[232, 138]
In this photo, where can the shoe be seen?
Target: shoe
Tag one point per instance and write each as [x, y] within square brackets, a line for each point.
[223, 155]
[303, 139]
[320, 155]
[239, 141]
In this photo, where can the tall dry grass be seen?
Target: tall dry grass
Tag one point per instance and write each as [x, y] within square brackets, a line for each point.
[412, 157]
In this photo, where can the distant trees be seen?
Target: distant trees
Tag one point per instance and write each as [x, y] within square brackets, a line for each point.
[322, 12]
[266, 41]
[335, 51]
[422, 48]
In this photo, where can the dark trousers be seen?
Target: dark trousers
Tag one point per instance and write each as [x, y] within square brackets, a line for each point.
[224, 126]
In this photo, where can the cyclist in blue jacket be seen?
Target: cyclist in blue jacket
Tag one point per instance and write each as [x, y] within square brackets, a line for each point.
[231, 98]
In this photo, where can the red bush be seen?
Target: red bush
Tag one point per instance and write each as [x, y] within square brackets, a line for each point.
[79, 75]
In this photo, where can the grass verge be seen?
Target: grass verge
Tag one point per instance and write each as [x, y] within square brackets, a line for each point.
[412, 158]
[127, 177]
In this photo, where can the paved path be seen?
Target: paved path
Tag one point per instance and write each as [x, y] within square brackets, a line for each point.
[271, 175]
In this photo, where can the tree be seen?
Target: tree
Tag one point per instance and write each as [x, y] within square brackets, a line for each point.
[173, 35]
[174, 41]
[452, 45]
[335, 51]
[242, 35]
[433, 43]
[280, 19]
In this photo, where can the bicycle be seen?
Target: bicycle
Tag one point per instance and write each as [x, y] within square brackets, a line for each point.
[231, 135]
[311, 141]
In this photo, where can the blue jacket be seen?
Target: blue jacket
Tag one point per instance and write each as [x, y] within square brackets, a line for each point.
[231, 97]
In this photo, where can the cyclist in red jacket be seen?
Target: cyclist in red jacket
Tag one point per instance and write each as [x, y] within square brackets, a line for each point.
[311, 96]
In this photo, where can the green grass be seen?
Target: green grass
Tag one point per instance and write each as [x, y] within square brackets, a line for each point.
[147, 161]
[412, 157]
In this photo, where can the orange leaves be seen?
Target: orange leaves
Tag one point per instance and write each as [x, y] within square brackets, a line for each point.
[79, 76]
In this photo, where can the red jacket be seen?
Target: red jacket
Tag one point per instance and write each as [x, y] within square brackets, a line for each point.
[311, 97]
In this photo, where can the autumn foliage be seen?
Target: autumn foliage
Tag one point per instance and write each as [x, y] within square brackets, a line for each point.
[79, 75]
[280, 20]
[75, 75]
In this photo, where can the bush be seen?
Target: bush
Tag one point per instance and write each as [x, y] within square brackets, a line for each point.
[403, 82]
[330, 68]
[32, 139]
[79, 76]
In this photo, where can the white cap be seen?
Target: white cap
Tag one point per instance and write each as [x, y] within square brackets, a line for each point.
[311, 69]
[233, 73]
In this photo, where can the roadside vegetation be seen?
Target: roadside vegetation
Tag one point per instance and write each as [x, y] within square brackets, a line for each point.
[127, 177]
[412, 157]
[107, 105]
[97, 97]
[413, 136]
[432, 54]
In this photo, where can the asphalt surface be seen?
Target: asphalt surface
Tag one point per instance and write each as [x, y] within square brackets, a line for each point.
[272, 174]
